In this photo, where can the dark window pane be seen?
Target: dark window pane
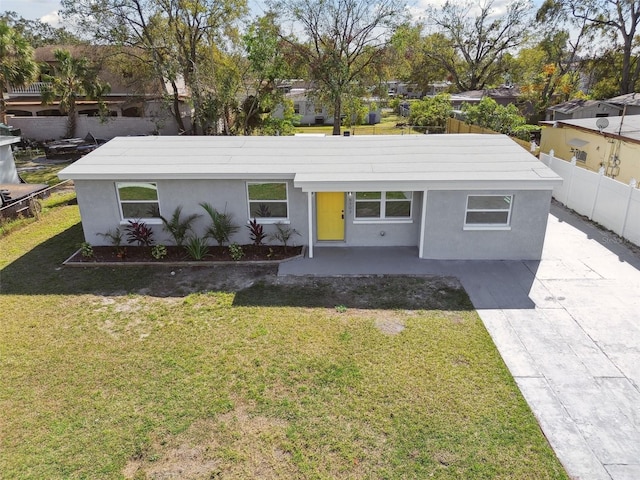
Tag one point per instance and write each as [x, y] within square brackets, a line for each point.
[367, 209]
[398, 209]
[140, 210]
[268, 209]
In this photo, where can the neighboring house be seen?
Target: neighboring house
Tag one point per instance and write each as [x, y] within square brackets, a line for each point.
[503, 95]
[451, 196]
[309, 112]
[14, 194]
[575, 109]
[136, 105]
[629, 103]
[612, 143]
[404, 90]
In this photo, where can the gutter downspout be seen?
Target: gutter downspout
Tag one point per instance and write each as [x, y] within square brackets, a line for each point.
[310, 218]
[423, 226]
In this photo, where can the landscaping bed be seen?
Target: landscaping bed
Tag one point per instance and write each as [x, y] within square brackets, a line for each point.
[102, 255]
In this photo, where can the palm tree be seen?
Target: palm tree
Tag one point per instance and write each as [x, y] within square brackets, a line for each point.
[17, 66]
[72, 78]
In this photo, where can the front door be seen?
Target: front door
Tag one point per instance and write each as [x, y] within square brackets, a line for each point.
[330, 212]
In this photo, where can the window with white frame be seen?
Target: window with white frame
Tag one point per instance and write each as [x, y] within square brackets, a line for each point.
[268, 201]
[383, 205]
[138, 200]
[488, 210]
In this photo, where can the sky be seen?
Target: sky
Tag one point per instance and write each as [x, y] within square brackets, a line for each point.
[46, 10]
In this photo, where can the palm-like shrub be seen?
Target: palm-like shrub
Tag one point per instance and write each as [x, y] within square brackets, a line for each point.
[222, 226]
[178, 228]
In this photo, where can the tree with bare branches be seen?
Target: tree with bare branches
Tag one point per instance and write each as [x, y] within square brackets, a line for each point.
[341, 42]
[478, 39]
[617, 20]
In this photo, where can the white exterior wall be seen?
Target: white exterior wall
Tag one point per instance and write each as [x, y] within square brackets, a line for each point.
[445, 238]
[50, 128]
[100, 210]
[383, 233]
[8, 172]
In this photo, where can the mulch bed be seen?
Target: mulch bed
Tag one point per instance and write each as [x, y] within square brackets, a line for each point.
[133, 254]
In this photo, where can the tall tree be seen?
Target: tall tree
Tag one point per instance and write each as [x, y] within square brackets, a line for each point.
[72, 78]
[197, 27]
[132, 23]
[341, 41]
[17, 66]
[267, 66]
[38, 33]
[477, 44]
[618, 20]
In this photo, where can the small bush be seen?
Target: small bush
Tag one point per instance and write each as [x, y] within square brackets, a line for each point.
[115, 238]
[86, 249]
[283, 234]
[139, 232]
[159, 252]
[197, 247]
[179, 228]
[257, 232]
[236, 251]
[222, 226]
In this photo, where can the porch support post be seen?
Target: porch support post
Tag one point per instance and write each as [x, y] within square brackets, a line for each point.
[310, 217]
[423, 224]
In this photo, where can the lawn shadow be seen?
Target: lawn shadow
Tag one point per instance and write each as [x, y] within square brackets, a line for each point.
[389, 292]
[40, 272]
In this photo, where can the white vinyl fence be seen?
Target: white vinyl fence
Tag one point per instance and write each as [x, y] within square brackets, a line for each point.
[612, 204]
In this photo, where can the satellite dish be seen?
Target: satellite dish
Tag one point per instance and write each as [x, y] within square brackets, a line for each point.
[602, 123]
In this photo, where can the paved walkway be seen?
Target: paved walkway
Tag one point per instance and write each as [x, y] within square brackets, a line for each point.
[568, 328]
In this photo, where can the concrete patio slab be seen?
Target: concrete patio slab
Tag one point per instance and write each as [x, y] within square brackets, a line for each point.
[567, 328]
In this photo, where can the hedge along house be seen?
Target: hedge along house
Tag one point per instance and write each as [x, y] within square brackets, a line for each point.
[451, 196]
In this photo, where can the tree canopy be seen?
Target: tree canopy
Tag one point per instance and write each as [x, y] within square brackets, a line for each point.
[341, 42]
[17, 66]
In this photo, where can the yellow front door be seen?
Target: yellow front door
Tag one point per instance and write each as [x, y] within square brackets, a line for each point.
[330, 211]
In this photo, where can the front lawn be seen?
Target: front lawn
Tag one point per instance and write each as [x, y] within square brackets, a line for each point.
[153, 372]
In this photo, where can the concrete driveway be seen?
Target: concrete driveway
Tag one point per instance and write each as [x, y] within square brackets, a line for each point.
[568, 328]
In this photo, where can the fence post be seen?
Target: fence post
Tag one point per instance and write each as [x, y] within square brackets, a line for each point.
[595, 197]
[632, 185]
[573, 172]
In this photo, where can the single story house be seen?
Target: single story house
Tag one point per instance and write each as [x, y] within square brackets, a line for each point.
[579, 108]
[611, 143]
[451, 196]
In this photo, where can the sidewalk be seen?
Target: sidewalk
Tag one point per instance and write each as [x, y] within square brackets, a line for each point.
[568, 328]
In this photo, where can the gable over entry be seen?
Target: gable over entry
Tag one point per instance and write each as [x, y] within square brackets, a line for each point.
[451, 196]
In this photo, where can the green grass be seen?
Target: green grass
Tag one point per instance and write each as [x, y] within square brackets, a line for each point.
[138, 373]
[387, 126]
[43, 170]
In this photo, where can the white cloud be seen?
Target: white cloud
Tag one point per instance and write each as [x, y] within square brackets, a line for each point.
[52, 18]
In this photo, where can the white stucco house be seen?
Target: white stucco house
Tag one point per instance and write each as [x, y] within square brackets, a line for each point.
[451, 196]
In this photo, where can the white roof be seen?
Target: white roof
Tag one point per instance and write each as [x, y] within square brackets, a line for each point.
[333, 163]
[625, 127]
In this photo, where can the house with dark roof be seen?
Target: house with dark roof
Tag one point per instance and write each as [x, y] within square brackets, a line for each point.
[580, 108]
